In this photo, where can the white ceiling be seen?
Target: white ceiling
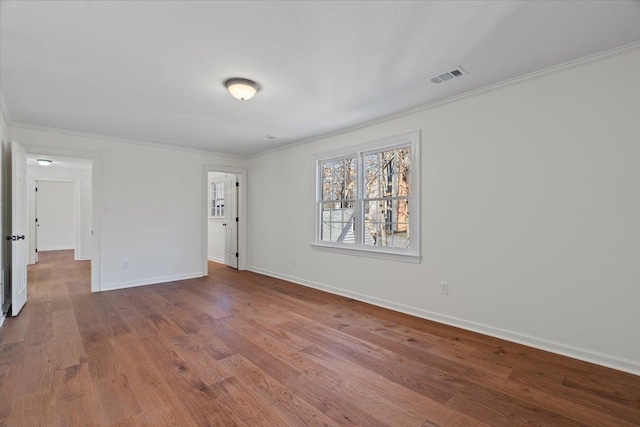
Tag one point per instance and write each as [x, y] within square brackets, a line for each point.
[153, 71]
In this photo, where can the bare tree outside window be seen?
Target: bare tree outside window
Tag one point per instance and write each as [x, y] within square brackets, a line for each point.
[339, 192]
[386, 198]
[367, 198]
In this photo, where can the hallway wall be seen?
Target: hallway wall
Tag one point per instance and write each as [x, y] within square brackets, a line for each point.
[56, 213]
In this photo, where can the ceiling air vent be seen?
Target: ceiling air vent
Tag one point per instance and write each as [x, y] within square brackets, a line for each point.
[269, 137]
[449, 75]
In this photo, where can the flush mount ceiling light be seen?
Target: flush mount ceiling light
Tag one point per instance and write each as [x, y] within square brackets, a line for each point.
[44, 162]
[241, 89]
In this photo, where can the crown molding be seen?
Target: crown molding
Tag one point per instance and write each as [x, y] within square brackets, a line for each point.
[108, 138]
[508, 82]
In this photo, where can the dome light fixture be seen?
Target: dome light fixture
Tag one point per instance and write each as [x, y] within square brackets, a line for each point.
[44, 162]
[241, 89]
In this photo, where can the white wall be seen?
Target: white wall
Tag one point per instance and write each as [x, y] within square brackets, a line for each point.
[216, 231]
[55, 173]
[150, 205]
[56, 211]
[530, 210]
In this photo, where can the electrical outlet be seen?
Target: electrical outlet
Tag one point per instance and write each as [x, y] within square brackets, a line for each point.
[125, 265]
[444, 288]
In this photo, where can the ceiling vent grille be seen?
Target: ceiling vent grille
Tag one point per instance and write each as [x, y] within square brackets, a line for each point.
[449, 75]
[269, 137]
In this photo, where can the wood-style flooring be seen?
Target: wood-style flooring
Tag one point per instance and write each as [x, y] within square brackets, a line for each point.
[241, 349]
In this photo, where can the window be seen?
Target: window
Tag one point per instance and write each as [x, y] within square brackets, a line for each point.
[367, 200]
[217, 200]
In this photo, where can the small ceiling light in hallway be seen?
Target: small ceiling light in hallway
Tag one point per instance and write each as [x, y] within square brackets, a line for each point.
[44, 162]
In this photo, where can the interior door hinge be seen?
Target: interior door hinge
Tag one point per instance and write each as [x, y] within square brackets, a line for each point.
[36, 250]
[237, 184]
[236, 254]
[236, 219]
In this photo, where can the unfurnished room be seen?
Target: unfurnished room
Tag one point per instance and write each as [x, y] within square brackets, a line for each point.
[320, 213]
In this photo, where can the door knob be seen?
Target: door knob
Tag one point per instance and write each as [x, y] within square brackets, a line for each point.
[20, 237]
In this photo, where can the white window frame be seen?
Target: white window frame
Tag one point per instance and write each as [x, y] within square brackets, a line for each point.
[410, 254]
[215, 184]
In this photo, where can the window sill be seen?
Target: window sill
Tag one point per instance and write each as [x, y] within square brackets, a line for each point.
[379, 254]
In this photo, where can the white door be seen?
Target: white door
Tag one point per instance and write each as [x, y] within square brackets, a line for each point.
[231, 223]
[18, 228]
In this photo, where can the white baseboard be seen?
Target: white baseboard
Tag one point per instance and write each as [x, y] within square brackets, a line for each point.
[152, 281]
[218, 260]
[609, 361]
[2, 317]
[83, 258]
[56, 248]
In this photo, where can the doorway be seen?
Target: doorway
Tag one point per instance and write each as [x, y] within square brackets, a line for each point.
[21, 169]
[59, 201]
[224, 217]
[222, 233]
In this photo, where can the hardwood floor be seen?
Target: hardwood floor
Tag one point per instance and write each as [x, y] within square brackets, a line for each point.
[241, 349]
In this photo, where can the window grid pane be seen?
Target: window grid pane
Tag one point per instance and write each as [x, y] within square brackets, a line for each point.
[217, 200]
[337, 206]
[383, 215]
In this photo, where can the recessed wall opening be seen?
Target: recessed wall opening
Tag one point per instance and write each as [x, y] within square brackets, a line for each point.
[222, 221]
[224, 217]
[59, 207]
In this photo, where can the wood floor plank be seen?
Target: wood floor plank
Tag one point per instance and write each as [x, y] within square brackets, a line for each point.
[202, 362]
[8, 377]
[374, 392]
[34, 410]
[67, 344]
[244, 404]
[74, 397]
[290, 408]
[495, 406]
[585, 401]
[430, 382]
[203, 405]
[571, 403]
[241, 349]
[35, 372]
[272, 365]
[149, 385]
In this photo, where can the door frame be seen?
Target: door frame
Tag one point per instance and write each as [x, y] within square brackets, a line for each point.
[77, 201]
[96, 197]
[241, 174]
